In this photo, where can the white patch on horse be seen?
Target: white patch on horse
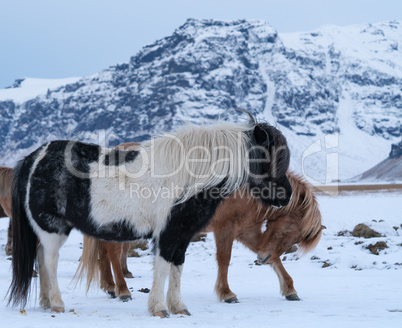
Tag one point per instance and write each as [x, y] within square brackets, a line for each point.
[50, 244]
[167, 166]
[110, 203]
[156, 301]
[174, 300]
[40, 156]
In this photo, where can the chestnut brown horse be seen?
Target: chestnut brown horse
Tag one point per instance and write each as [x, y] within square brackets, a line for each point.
[242, 218]
[6, 177]
[114, 254]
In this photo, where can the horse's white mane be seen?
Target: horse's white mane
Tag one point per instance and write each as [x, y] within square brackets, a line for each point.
[209, 155]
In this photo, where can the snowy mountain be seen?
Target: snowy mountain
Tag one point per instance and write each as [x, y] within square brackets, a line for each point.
[337, 89]
[28, 88]
[390, 169]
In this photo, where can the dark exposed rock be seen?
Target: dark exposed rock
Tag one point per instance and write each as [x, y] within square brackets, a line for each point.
[378, 246]
[144, 290]
[141, 244]
[362, 230]
[326, 264]
[396, 150]
[292, 249]
[132, 253]
[199, 237]
[390, 169]
[344, 233]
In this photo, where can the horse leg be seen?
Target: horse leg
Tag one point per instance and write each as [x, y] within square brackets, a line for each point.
[5, 207]
[115, 251]
[44, 279]
[156, 300]
[52, 243]
[124, 254]
[224, 242]
[9, 247]
[106, 277]
[174, 300]
[285, 281]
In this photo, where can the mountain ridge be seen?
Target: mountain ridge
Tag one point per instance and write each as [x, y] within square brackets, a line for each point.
[300, 82]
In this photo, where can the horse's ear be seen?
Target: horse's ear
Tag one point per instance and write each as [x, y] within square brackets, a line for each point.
[261, 136]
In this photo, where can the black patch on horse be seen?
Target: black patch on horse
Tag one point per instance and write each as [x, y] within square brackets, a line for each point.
[119, 231]
[59, 199]
[186, 219]
[119, 157]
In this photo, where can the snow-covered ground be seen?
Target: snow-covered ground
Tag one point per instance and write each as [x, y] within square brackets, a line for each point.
[358, 289]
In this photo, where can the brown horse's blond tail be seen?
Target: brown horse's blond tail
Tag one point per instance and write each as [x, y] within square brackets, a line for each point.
[6, 177]
[89, 262]
[311, 221]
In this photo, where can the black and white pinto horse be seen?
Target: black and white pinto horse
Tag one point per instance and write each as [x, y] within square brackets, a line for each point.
[123, 195]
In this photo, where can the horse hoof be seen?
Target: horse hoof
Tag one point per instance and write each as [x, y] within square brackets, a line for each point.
[44, 303]
[125, 298]
[162, 314]
[293, 297]
[232, 300]
[57, 309]
[184, 312]
[112, 294]
[128, 275]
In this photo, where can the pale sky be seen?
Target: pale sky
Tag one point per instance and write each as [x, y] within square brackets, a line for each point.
[66, 38]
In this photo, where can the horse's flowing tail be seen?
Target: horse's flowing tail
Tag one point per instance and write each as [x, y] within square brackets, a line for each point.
[24, 239]
[311, 222]
[6, 177]
[305, 204]
[89, 263]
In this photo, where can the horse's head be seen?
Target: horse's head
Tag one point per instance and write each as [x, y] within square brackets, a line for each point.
[269, 161]
[298, 223]
[282, 232]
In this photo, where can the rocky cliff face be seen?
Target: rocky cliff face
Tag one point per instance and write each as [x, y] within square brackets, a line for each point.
[300, 81]
[396, 150]
[390, 169]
